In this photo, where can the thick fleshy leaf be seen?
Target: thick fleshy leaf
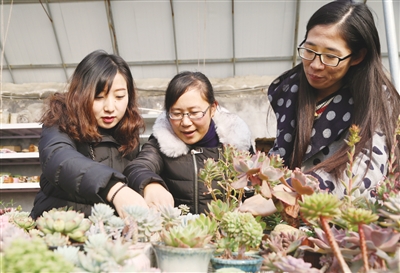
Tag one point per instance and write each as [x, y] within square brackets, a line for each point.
[255, 180]
[240, 183]
[270, 173]
[286, 197]
[293, 210]
[302, 183]
[300, 188]
[265, 189]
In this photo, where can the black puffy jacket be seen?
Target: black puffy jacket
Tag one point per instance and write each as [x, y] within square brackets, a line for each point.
[168, 160]
[71, 176]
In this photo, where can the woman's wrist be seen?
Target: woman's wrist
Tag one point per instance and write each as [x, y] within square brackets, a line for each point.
[114, 191]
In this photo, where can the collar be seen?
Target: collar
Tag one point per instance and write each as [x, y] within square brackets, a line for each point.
[230, 128]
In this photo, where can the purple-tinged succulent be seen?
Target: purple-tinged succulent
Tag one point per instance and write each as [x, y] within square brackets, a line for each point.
[292, 264]
[377, 238]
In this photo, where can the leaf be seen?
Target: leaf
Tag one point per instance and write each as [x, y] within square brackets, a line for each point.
[265, 189]
[293, 210]
[286, 197]
[297, 185]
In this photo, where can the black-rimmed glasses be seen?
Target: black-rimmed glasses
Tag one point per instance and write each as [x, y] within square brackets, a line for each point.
[326, 59]
[191, 115]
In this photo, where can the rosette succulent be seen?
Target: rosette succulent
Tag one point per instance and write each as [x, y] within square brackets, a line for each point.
[67, 222]
[33, 256]
[22, 220]
[197, 233]
[145, 222]
[239, 233]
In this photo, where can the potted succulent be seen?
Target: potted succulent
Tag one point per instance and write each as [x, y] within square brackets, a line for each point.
[186, 247]
[238, 234]
[364, 238]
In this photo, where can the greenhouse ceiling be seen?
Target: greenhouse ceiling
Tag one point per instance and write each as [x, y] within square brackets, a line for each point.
[42, 41]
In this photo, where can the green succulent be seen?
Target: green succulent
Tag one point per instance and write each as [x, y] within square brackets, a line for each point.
[67, 222]
[356, 216]
[240, 232]
[33, 256]
[196, 233]
[147, 221]
[105, 221]
[218, 208]
[55, 239]
[320, 205]
[170, 216]
[23, 220]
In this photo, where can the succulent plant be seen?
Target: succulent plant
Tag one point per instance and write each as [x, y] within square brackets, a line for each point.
[104, 221]
[197, 233]
[284, 242]
[33, 256]
[324, 207]
[23, 220]
[391, 212]
[239, 232]
[292, 264]
[320, 205]
[217, 209]
[147, 221]
[8, 207]
[55, 239]
[269, 261]
[67, 222]
[222, 171]
[170, 216]
[184, 209]
[9, 232]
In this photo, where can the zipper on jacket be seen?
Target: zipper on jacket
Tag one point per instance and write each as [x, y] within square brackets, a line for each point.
[196, 186]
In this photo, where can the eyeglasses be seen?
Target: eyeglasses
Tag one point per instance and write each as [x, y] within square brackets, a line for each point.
[326, 59]
[191, 115]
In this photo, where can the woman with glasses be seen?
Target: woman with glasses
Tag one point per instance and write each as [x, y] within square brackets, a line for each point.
[339, 82]
[192, 129]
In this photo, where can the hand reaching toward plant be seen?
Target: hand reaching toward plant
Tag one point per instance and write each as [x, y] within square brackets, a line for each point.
[156, 195]
[121, 196]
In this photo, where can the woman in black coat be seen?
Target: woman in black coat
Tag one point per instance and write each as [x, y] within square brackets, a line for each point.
[89, 135]
[192, 129]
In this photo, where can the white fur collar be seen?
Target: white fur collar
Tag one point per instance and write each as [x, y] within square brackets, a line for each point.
[230, 128]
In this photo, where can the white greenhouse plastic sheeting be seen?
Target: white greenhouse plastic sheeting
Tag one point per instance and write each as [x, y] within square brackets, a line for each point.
[44, 40]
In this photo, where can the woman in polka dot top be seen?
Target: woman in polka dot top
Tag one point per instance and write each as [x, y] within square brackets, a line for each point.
[340, 82]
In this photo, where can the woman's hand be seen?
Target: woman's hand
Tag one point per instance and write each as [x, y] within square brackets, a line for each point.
[258, 205]
[156, 196]
[124, 197]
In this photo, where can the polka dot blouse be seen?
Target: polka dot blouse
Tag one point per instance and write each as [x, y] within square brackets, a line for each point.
[329, 131]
